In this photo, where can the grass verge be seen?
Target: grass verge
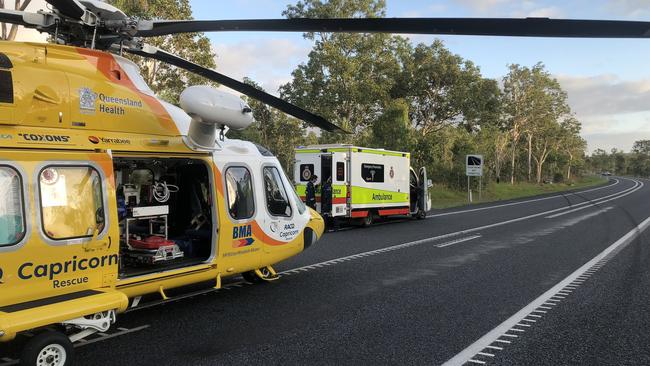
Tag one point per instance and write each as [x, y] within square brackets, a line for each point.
[444, 197]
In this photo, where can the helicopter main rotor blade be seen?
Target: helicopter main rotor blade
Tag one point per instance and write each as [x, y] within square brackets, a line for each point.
[248, 90]
[26, 19]
[70, 8]
[521, 27]
[12, 17]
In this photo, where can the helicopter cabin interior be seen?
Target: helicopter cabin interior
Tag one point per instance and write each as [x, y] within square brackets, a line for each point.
[165, 213]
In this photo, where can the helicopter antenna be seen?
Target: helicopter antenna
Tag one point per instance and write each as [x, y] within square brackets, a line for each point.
[56, 31]
[92, 45]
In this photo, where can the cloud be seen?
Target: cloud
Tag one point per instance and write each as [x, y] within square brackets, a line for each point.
[606, 95]
[630, 8]
[482, 6]
[511, 8]
[267, 61]
[613, 112]
[546, 12]
[607, 141]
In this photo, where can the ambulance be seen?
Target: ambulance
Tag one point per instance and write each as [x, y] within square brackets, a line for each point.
[366, 183]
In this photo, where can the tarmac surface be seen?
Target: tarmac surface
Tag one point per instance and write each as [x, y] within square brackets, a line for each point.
[551, 280]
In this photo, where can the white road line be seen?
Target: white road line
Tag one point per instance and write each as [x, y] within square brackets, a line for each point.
[428, 240]
[383, 250]
[489, 226]
[497, 332]
[477, 361]
[616, 181]
[502, 341]
[109, 336]
[486, 354]
[457, 241]
[495, 347]
[638, 185]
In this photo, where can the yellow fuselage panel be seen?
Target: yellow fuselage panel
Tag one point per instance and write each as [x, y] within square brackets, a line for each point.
[67, 87]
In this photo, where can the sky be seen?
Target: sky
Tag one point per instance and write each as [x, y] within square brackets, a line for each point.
[607, 81]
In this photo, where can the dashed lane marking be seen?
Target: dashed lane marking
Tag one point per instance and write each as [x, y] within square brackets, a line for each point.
[440, 237]
[383, 250]
[457, 241]
[472, 352]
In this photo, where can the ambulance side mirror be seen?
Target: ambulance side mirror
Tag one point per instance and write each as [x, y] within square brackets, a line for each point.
[429, 183]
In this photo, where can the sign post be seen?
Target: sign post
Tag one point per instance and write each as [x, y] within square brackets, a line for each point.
[474, 168]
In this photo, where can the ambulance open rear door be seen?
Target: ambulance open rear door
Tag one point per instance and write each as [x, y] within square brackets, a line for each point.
[424, 199]
[340, 184]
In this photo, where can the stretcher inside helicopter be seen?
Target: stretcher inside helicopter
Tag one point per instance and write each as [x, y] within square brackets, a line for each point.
[165, 213]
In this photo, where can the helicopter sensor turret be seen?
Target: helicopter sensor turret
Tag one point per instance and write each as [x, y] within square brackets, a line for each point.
[213, 109]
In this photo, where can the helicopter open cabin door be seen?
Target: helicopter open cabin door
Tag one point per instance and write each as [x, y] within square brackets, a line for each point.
[61, 217]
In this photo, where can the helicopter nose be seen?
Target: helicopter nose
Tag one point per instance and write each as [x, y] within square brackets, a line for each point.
[315, 228]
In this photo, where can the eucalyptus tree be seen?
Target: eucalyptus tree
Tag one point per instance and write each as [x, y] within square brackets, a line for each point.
[347, 77]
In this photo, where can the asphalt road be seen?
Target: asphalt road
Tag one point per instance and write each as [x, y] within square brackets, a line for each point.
[428, 292]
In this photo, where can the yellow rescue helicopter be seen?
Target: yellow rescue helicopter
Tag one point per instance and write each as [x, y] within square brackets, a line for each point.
[108, 193]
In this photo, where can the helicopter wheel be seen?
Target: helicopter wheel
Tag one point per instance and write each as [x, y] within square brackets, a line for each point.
[49, 348]
[251, 277]
[266, 275]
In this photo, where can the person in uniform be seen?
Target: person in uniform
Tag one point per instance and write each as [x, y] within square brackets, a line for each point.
[310, 195]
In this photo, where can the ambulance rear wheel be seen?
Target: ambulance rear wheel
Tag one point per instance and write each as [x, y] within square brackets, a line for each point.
[368, 220]
[49, 348]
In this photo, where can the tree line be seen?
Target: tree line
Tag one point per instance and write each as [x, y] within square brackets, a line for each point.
[393, 94]
[635, 163]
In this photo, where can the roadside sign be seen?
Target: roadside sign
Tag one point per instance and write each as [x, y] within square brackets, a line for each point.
[474, 165]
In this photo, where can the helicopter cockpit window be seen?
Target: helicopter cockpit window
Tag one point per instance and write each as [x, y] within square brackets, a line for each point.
[71, 202]
[241, 204]
[12, 221]
[277, 200]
